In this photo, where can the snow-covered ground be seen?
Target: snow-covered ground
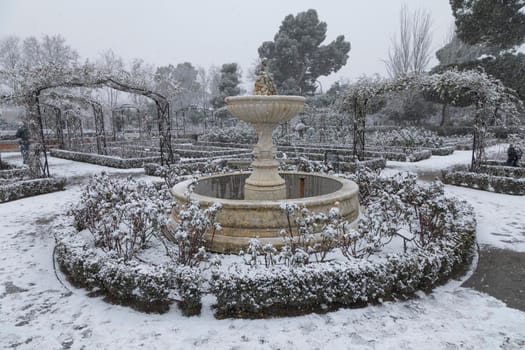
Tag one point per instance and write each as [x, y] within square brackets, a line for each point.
[38, 312]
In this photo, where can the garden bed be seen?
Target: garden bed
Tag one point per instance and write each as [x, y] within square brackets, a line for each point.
[323, 287]
[263, 282]
[143, 286]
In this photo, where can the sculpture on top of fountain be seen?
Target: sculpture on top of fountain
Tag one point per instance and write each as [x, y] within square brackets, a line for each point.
[264, 84]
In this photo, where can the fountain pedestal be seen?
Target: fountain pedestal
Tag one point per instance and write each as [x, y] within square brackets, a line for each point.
[265, 113]
[265, 182]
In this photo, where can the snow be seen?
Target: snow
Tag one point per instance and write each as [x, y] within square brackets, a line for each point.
[71, 169]
[501, 222]
[38, 312]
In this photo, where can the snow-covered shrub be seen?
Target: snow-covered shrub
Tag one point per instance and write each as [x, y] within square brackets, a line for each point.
[241, 133]
[189, 231]
[174, 173]
[121, 215]
[188, 284]
[308, 166]
[409, 137]
[438, 235]
[397, 205]
[368, 181]
[145, 286]
[281, 290]
[255, 250]
[298, 235]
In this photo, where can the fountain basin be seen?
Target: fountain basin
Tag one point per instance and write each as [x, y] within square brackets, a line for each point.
[242, 219]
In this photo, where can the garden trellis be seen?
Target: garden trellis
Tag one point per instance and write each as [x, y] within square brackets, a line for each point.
[98, 115]
[35, 81]
[491, 99]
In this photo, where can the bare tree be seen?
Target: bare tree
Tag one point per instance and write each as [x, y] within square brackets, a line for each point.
[55, 50]
[410, 53]
[204, 79]
[141, 73]
[10, 57]
[214, 74]
[110, 64]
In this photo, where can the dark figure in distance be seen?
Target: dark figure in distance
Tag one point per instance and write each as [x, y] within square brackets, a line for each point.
[23, 135]
[513, 156]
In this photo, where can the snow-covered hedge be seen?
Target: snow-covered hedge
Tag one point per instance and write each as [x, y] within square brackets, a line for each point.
[486, 182]
[144, 286]
[307, 165]
[14, 173]
[408, 137]
[187, 168]
[114, 162]
[409, 156]
[12, 190]
[502, 163]
[119, 240]
[442, 151]
[438, 235]
[278, 291]
[241, 133]
[502, 170]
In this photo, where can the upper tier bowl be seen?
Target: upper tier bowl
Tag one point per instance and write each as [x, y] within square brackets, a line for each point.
[274, 109]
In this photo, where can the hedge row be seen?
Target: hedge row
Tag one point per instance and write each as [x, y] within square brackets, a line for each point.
[189, 168]
[414, 156]
[486, 182]
[280, 291]
[140, 285]
[110, 161]
[373, 164]
[442, 151]
[11, 191]
[507, 171]
[346, 152]
[14, 173]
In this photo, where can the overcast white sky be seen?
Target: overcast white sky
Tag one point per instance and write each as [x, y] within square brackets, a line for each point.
[206, 32]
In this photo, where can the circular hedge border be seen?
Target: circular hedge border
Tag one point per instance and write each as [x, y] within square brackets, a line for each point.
[277, 291]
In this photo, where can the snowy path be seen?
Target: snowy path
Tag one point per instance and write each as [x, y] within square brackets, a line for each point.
[37, 312]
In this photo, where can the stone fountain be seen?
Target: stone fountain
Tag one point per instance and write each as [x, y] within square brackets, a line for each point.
[251, 202]
[265, 113]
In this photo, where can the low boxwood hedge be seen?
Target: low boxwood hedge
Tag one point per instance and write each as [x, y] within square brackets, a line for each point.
[146, 287]
[281, 291]
[412, 156]
[110, 161]
[486, 182]
[12, 190]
